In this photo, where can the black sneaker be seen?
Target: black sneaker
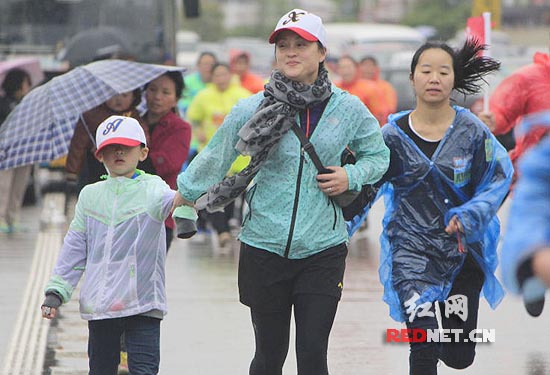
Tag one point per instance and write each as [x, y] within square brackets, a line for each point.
[533, 296]
[534, 308]
[532, 289]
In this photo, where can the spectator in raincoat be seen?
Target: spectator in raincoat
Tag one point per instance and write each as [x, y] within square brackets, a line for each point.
[294, 238]
[209, 108]
[447, 177]
[240, 66]
[13, 182]
[526, 244]
[195, 82]
[387, 96]
[525, 91]
[170, 135]
[207, 112]
[348, 71]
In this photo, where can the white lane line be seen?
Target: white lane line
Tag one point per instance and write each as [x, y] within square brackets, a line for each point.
[26, 350]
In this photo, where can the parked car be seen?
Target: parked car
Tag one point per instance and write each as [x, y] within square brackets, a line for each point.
[187, 43]
[378, 39]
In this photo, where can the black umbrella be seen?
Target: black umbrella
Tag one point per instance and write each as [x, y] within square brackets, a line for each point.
[94, 44]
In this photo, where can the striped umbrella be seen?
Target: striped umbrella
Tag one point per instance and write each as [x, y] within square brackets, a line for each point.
[40, 128]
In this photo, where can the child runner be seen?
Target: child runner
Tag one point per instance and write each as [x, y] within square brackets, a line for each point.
[117, 234]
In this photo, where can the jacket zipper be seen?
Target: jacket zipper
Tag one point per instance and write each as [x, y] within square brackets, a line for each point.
[335, 214]
[295, 207]
[249, 202]
[109, 247]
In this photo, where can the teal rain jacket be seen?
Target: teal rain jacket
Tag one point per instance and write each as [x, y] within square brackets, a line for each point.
[468, 175]
[287, 212]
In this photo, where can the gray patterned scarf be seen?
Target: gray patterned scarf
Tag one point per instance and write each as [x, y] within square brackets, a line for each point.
[275, 115]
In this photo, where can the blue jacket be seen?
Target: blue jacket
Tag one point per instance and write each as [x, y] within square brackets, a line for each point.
[468, 175]
[287, 212]
[528, 226]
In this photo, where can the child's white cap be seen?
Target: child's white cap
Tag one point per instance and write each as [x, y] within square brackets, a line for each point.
[307, 25]
[119, 130]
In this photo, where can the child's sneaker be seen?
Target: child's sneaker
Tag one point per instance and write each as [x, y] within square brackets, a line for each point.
[5, 228]
[224, 239]
[18, 228]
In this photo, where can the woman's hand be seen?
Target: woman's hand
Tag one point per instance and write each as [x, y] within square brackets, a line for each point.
[179, 200]
[333, 183]
[454, 226]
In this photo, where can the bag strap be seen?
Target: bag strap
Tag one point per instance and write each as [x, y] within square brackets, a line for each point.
[308, 147]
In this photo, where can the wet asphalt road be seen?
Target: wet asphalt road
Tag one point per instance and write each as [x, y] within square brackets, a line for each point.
[207, 330]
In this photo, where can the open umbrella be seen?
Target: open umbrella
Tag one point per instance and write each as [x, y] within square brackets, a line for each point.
[93, 44]
[30, 64]
[40, 128]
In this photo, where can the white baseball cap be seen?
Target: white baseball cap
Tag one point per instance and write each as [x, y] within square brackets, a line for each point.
[119, 130]
[307, 25]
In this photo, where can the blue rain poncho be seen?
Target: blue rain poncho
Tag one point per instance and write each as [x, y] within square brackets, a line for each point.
[528, 227]
[468, 175]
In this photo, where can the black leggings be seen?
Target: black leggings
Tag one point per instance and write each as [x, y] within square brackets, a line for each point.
[459, 355]
[313, 315]
[220, 219]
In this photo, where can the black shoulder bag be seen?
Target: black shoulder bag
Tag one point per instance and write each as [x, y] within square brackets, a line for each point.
[352, 202]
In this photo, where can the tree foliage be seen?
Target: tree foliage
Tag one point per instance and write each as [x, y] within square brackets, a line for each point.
[210, 23]
[447, 16]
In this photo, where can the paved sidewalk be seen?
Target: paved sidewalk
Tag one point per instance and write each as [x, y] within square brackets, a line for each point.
[207, 331]
[16, 254]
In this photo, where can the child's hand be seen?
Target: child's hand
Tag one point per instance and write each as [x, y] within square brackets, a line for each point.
[49, 312]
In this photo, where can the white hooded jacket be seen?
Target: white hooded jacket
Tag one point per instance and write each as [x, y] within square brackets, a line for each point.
[118, 237]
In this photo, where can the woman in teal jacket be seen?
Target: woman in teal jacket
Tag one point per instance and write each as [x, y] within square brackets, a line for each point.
[294, 235]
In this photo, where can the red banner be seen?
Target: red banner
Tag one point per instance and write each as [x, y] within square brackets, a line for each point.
[475, 29]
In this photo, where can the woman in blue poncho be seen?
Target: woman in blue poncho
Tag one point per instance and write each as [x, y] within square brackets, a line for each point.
[446, 180]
